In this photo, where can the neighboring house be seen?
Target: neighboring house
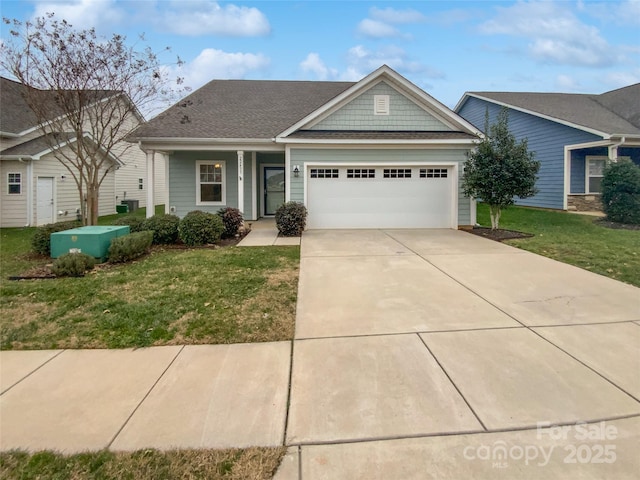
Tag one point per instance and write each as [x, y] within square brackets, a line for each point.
[573, 135]
[379, 153]
[36, 188]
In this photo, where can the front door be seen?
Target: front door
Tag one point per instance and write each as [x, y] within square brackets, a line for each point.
[273, 189]
[44, 210]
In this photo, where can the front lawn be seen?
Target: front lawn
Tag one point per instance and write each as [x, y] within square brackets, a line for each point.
[172, 296]
[255, 463]
[574, 239]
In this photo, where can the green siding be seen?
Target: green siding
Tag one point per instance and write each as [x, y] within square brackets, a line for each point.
[404, 114]
[182, 174]
[398, 156]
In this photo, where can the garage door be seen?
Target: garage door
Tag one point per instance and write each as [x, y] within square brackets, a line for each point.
[379, 197]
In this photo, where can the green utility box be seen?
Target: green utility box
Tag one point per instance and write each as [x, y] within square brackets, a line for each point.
[122, 209]
[94, 241]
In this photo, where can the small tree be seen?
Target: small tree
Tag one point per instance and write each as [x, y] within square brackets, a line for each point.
[500, 169]
[85, 92]
[621, 192]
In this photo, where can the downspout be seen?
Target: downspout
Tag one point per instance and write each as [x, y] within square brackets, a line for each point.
[614, 148]
[29, 187]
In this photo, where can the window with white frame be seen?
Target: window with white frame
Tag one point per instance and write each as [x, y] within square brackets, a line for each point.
[594, 171]
[210, 183]
[14, 183]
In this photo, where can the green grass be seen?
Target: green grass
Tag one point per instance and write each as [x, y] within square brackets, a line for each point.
[254, 463]
[574, 239]
[172, 296]
[141, 212]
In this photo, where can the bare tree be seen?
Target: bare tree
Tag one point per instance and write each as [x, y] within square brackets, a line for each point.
[86, 93]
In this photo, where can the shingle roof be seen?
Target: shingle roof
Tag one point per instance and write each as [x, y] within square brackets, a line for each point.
[379, 135]
[40, 144]
[256, 109]
[15, 114]
[615, 112]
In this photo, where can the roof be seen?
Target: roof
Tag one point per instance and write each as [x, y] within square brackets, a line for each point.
[612, 113]
[236, 109]
[380, 135]
[15, 114]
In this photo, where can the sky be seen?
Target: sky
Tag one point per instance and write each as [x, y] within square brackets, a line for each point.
[444, 47]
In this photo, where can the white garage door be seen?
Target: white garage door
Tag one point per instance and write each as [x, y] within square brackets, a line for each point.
[379, 197]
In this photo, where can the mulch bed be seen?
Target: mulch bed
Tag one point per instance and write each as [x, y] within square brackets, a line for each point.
[498, 235]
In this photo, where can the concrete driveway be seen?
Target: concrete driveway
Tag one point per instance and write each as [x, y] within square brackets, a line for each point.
[418, 353]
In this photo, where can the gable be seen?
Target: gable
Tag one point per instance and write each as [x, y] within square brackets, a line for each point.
[358, 114]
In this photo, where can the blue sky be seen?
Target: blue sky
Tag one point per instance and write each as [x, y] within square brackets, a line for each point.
[444, 47]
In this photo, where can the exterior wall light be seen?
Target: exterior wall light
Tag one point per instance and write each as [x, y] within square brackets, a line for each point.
[296, 171]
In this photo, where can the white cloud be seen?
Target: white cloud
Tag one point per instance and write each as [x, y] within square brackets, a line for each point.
[619, 13]
[313, 64]
[212, 63]
[193, 18]
[391, 15]
[567, 83]
[376, 29]
[556, 35]
[622, 79]
[83, 14]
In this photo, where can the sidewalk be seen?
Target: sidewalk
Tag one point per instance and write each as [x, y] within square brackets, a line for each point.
[264, 233]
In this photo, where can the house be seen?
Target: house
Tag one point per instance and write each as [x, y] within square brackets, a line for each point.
[378, 153]
[573, 136]
[36, 188]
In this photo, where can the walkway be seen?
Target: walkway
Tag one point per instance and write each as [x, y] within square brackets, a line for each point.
[264, 233]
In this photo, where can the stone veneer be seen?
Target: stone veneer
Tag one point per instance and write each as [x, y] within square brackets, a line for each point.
[584, 203]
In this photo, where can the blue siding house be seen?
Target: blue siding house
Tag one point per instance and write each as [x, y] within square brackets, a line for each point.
[573, 135]
[378, 153]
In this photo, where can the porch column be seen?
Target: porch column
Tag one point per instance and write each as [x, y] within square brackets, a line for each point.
[151, 206]
[241, 181]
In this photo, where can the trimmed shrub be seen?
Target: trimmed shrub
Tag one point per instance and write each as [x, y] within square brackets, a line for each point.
[291, 218]
[129, 247]
[200, 228]
[164, 228]
[134, 223]
[41, 241]
[232, 221]
[621, 192]
[72, 264]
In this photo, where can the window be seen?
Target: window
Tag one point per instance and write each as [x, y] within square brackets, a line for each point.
[396, 173]
[140, 184]
[433, 173]
[361, 173]
[210, 183]
[324, 173]
[594, 171]
[14, 182]
[381, 104]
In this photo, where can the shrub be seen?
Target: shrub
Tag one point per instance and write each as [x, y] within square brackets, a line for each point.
[72, 264]
[621, 192]
[128, 247]
[200, 228]
[164, 228]
[291, 218]
[134, 223]
[232, 221]
[41, 242]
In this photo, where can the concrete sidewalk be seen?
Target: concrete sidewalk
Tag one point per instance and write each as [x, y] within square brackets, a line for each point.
[264, 233]
[417, 354]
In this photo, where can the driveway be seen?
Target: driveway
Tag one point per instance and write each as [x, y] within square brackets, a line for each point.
[416, 351]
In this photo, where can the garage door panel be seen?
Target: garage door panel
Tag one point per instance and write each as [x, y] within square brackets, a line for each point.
[379, 202]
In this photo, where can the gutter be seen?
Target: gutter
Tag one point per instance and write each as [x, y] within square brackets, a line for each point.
[614, 149]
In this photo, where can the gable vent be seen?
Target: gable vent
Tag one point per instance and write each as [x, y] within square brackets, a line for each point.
[381, 104]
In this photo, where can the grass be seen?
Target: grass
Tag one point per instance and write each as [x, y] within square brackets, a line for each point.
[172, 296]
[574, 239]
[250, 463]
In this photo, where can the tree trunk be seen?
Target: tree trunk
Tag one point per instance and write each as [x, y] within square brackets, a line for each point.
[92, 206]
[494, 212]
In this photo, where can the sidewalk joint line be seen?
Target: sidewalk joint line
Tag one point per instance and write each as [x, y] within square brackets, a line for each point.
[113, 439]
[286, 415]
[33, 371]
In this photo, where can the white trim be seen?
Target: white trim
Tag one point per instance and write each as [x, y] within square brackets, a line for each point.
[473, 211]
[21, 183]
[437, 109]
[241, 181]
[567, 176]
[287, 173]
[345, 141]
[454, 166]
[167, 200]
[223, 166]
[531, 112]
[29, 193]
[208, 144]
[254, 185]
[54, 192]
[151, 162]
